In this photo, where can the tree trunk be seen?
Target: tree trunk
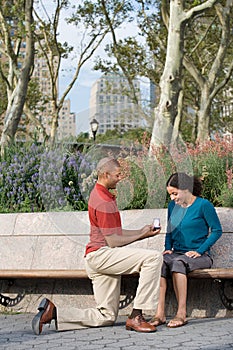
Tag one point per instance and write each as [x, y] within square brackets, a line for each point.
[177, 123]
[170, 83]
[209, 83]
[17, 98]
[54, 123]
[204, 115]
[34, 121]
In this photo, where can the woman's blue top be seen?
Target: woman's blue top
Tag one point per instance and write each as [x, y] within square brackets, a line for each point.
[195, 228]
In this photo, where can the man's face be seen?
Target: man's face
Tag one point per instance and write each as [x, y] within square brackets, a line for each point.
[112, 178]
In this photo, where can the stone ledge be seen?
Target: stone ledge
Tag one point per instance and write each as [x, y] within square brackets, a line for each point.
[57, 241]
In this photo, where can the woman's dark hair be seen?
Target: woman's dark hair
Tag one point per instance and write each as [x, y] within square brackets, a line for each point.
[183, 181]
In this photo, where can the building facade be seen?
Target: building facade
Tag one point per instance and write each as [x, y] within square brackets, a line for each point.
[66, 122]
[67, 119]
[27, 128]
[111, 104]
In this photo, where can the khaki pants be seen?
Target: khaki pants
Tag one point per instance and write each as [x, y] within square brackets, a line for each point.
[105, 267]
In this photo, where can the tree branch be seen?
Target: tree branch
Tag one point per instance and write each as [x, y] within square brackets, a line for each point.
[116, 53]
[198, 9]
[193, 71]
[223, 82]
[223, 15]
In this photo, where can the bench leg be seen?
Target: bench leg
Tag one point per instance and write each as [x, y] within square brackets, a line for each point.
[227, 302]
[7, 301]
[126, 301]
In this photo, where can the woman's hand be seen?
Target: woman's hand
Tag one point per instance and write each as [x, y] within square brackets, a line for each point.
[192, 254]
[167, 252]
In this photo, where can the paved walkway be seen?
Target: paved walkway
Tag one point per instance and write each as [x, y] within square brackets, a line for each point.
[206, 334]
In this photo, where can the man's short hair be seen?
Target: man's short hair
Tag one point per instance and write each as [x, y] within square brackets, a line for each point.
[107, 164]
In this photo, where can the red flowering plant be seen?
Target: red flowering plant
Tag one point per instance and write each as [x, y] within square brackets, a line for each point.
[212, 162]
[147, 172]
[226, 196]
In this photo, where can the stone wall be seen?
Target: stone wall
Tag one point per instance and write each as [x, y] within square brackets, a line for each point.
[57, 241]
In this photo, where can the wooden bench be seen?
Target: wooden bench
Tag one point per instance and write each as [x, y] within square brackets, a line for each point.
[221, 275]
[215, 273]
[34, 246]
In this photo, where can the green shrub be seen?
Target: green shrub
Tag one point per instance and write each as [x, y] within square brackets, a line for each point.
[212, 160]
[33, 178]
[133, 192]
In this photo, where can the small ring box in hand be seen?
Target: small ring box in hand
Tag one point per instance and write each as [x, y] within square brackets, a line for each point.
[156, 224]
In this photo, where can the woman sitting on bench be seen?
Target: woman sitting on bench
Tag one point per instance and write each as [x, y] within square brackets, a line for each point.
[187, 242]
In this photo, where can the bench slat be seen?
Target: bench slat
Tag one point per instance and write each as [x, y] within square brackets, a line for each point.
[43, 274]
[221, 273]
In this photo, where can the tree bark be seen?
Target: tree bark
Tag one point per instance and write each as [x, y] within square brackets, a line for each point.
[171, 79]
[16, 98]
[209, 86]
[170, 82]
[53, 54]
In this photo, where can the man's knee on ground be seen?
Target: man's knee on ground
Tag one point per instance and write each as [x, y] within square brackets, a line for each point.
[109, 317]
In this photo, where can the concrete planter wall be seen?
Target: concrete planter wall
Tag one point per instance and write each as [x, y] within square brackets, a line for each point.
[57, 241]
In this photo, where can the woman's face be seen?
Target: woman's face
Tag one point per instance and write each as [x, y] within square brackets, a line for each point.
[180, 197]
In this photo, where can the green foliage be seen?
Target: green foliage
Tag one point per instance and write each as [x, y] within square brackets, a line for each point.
[35, 98]
[212, 169]
[212, 161]
[226, 197]
[3, 97]
[33, 178]
[133, 192]
[132, 55]
[83, 138]
[117, 136]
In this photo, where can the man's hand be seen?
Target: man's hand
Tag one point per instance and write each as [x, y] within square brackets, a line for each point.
[129, 236]
[147, 231]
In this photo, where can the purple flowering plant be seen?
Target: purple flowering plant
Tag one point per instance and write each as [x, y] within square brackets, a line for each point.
[33, 178]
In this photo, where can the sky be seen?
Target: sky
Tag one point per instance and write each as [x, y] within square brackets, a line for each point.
[80, 96]
[80, 93]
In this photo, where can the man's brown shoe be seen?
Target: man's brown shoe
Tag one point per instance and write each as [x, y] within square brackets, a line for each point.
[47, 313]
[139, 324]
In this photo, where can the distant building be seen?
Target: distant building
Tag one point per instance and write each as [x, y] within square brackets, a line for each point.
[153, 96]
[226, 112]
[26, 129]
[66, 122]
[111, 104]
